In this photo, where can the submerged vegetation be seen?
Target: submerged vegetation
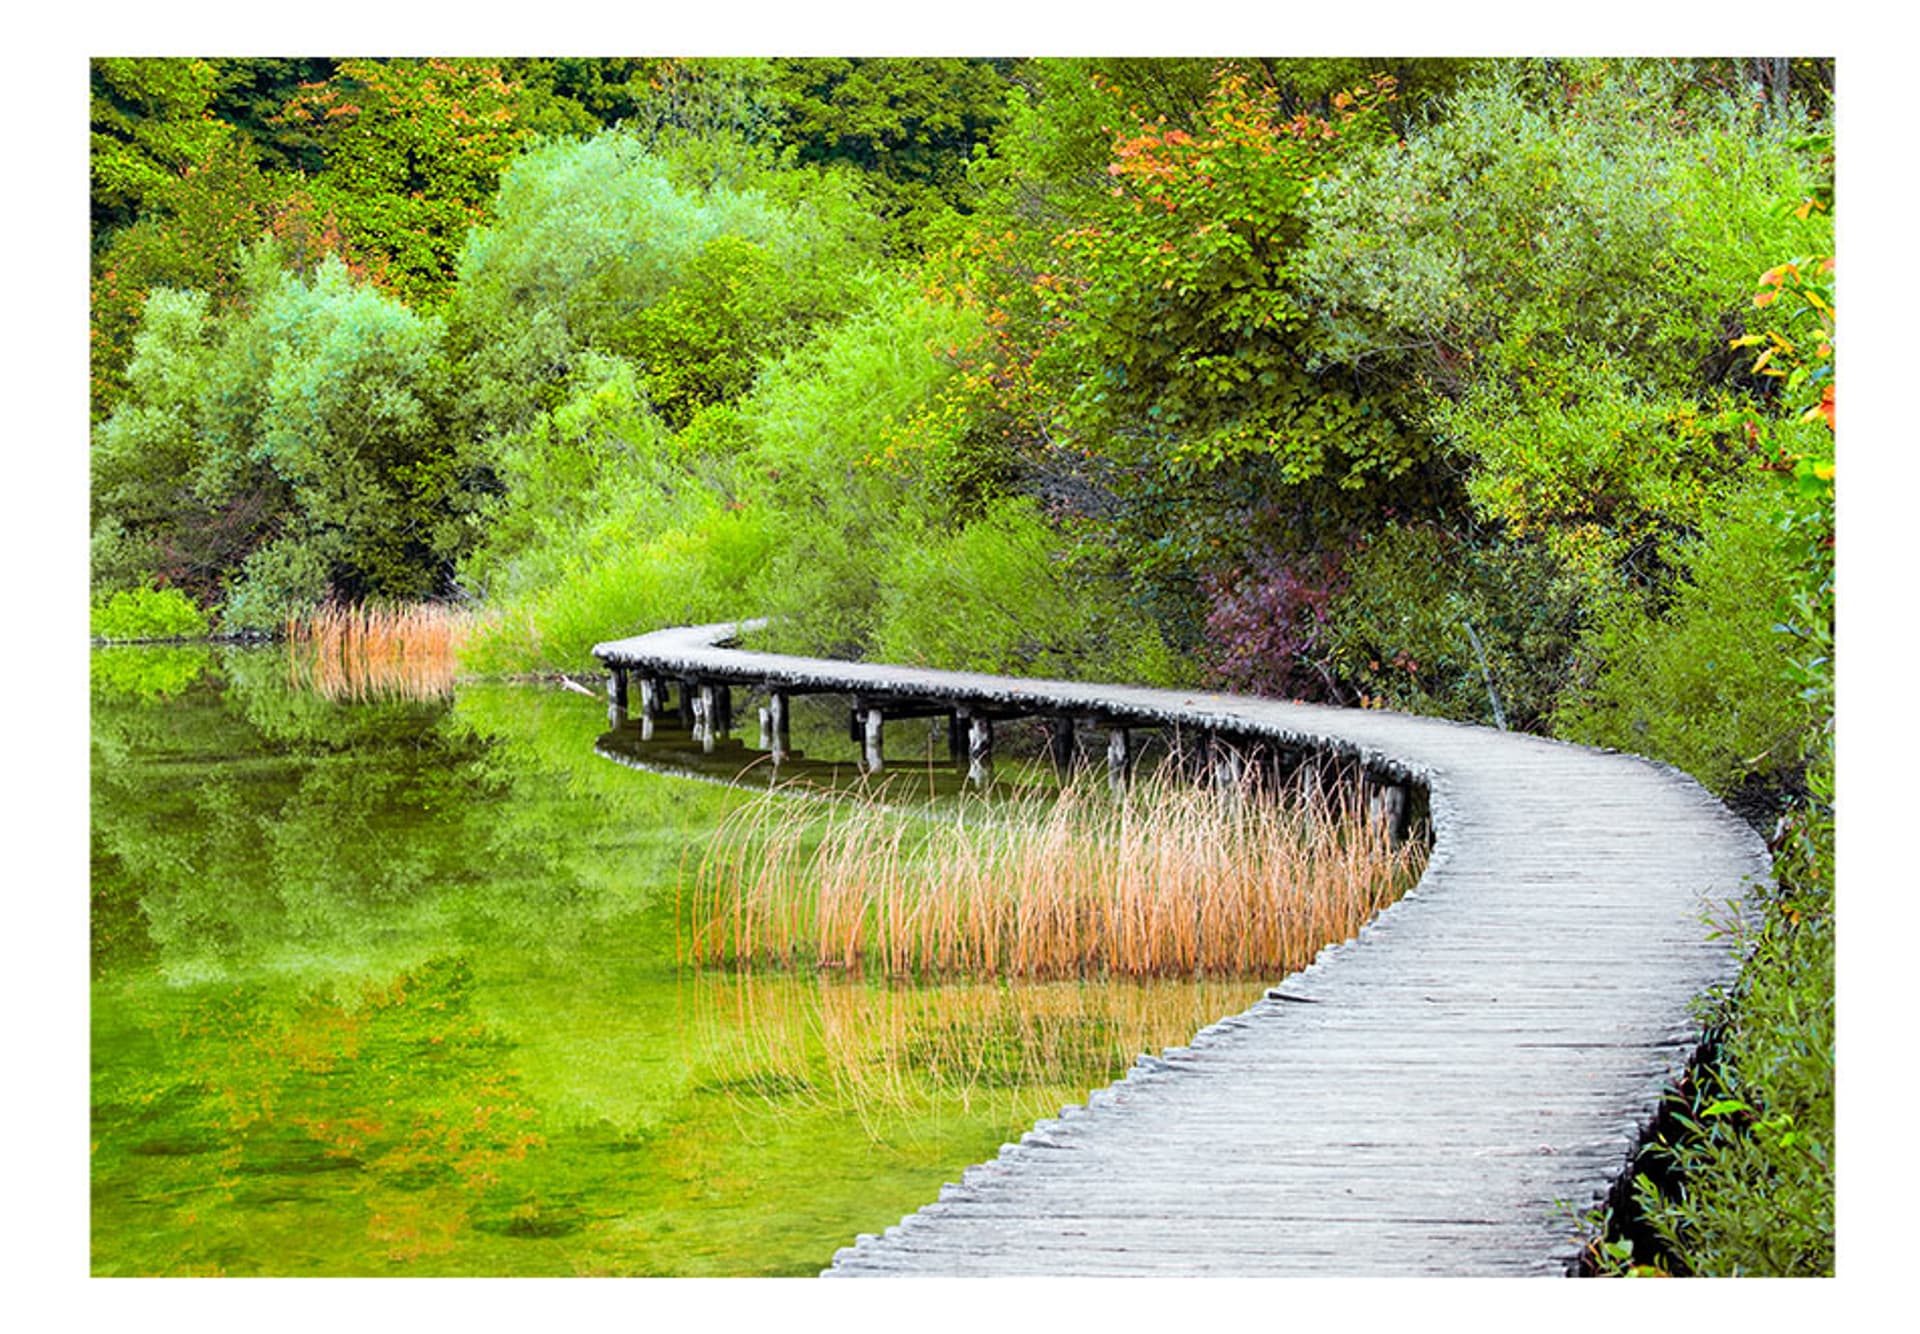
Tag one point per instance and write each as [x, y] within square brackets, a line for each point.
[1501, 390]
[1172, 879]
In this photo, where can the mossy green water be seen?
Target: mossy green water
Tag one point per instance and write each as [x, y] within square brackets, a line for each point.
[392, 987]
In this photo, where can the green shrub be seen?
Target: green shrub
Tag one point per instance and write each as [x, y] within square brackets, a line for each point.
[146, 613]
[1476, 628]
[1698, 684]
[1749, 1187]
[1001, 595]
[686, 575]
[591, 238]
[1561, 262]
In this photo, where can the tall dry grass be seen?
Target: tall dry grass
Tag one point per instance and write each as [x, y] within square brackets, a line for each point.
[1174, 879]
[368, 652]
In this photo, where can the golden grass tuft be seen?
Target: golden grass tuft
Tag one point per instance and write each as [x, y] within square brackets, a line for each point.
[1175, 880]
[377, 652]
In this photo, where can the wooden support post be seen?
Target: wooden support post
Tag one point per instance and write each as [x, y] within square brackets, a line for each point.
[1200, 756]
[1061, 748]
[1306, 782]
[1225, 763]
[1189, 747]
[653, 696]
[713, 713]
[777, 724]
[684, 689]
[979, 750]
[617, 688]
[957, 737]
[872, 726]
[702, 708]
[1119, 759]
[1388, 802]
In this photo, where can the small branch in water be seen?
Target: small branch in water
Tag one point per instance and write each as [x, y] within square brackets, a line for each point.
[577, 688]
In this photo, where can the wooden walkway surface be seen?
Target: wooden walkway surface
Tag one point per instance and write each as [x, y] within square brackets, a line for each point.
[1421, 1099]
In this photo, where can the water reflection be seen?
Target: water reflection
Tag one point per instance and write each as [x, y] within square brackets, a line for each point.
[1012, 1051]
[392, 986]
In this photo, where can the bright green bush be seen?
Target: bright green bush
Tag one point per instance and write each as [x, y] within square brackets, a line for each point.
[824, 459]
[1002, 595]
[1698, 683]
[1561, 261]
[687, 575]
[146, 613]
[589, 237]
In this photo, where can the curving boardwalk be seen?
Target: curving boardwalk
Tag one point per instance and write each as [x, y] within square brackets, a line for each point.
[1421, 1099]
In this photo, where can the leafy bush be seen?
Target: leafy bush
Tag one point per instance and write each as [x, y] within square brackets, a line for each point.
[1561, 261]
[146, 613]
[627, 585]
[1000, 595]
[295, 445]
[1475, 626]
[590, 237]
[1698, 683]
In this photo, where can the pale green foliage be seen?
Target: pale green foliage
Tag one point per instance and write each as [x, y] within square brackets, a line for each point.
[293, 446]
[348, 389]
[590, 235]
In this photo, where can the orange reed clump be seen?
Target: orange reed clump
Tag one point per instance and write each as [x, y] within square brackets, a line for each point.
[1175, 879]
[363, 652]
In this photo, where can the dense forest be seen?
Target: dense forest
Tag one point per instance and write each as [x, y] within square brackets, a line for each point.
[1501, 390]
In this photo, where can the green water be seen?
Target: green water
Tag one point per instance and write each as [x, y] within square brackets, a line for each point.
[391, 987]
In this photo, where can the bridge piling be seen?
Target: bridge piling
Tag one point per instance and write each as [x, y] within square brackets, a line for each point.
[1119, 759]
[980, 750]
[873, 721]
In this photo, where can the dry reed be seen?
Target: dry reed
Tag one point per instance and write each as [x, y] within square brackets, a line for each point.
[365, 652]
[1175, 879]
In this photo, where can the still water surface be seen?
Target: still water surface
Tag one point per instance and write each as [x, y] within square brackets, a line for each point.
[390, 985]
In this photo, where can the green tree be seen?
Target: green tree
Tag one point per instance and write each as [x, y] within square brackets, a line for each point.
[150, 122]
[912, 123]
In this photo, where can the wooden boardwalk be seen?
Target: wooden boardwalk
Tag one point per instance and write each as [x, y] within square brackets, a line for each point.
[1422, 1099]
